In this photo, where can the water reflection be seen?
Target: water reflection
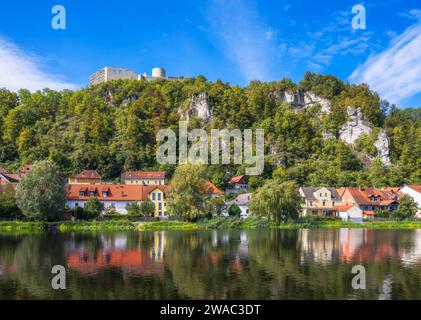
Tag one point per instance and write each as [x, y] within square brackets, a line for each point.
[260, 264]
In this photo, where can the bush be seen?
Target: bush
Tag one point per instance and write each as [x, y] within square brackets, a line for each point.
[92, 210]
[234, 211]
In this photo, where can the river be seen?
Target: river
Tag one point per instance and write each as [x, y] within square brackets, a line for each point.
[256, 264]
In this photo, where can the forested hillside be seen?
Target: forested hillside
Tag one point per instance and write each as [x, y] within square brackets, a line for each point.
[113, 126]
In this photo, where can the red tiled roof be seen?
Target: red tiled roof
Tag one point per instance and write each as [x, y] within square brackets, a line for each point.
[10, 177]
[87, 174]
[212, 189]
[159, 175]
[116, 192]
[362, 195]
[237, 179]
[342, 208]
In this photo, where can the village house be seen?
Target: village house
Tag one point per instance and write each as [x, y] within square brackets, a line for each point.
[350, 213]
[145, 178]
[213, 190]
[370, 200]
[242, 201]
[415, 193]
[319, 201]
[13, 178]
[238, 185]
[85, 177]
[117, 196]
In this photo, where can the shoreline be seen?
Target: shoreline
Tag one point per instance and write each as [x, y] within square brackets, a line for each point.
[212, 224]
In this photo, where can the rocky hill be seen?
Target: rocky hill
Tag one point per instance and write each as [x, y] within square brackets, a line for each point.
[320, 131]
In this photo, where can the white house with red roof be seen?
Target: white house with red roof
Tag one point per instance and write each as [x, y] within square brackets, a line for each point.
[415, 193]
[145, 178]
[117, 196]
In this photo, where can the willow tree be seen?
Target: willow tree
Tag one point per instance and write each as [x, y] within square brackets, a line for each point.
[276, 201]
[41, 194]
[187, 194]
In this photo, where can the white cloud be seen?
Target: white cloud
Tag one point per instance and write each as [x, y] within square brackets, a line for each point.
[396, 72]
[243, 38]
[22, 70]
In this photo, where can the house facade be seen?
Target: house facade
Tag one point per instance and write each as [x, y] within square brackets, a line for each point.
[371, 200]
[242, 201]
[144, 178]
[415, 193]
[238, 185]
[350, 213]
[117, 196]
[85, 177]
[319, 201]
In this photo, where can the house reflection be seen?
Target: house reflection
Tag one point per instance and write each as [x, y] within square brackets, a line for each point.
[354, 245]
[114, 253]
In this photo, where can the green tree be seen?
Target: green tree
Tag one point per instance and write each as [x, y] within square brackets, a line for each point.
[187, 195]
[216, 205]
[147, 208]
[407, 208]
[276, 201]
[133, 209]
[234, 211]
[93, 208]
[41, 193]
[8, 207]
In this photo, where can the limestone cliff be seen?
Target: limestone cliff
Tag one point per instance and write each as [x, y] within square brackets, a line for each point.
[356, 127]
[199, 107]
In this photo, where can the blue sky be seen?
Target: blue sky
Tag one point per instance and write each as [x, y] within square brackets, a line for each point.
[234, 40]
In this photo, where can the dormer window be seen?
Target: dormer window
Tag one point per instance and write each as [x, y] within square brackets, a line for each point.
[92, 194]
[82, 194]
[105, 194]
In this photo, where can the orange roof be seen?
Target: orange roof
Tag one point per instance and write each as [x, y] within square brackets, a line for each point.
[238, 179]
[144, 175]
[370, 213]
[212, 189]
[342, 208]
[115, 192]
[87, 174]
[362, 195]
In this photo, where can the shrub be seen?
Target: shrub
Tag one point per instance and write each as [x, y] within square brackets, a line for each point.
[234, 211]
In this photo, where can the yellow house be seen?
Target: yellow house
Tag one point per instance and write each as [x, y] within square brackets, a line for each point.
[85, 177]
[157, 195]
[320, 201]
[144, 178]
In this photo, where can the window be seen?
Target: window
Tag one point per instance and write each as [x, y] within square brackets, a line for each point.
[143, 182]
[92, 194]
[78, 180]
[82, 194]
[321, 195]
[326, 195]
[104, 194]
[311, 203]
[153, 196]
[324, 203]
[159, 197]
[137, 181]
[160, 206]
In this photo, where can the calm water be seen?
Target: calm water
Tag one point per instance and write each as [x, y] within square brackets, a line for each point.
[264, 264]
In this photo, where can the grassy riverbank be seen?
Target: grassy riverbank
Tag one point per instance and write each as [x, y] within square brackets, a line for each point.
[208, 224]
[21, 226]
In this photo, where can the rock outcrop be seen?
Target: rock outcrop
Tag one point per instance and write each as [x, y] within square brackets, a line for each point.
[382, 145]
[199, 107]
[304, 100]
[356, 127]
